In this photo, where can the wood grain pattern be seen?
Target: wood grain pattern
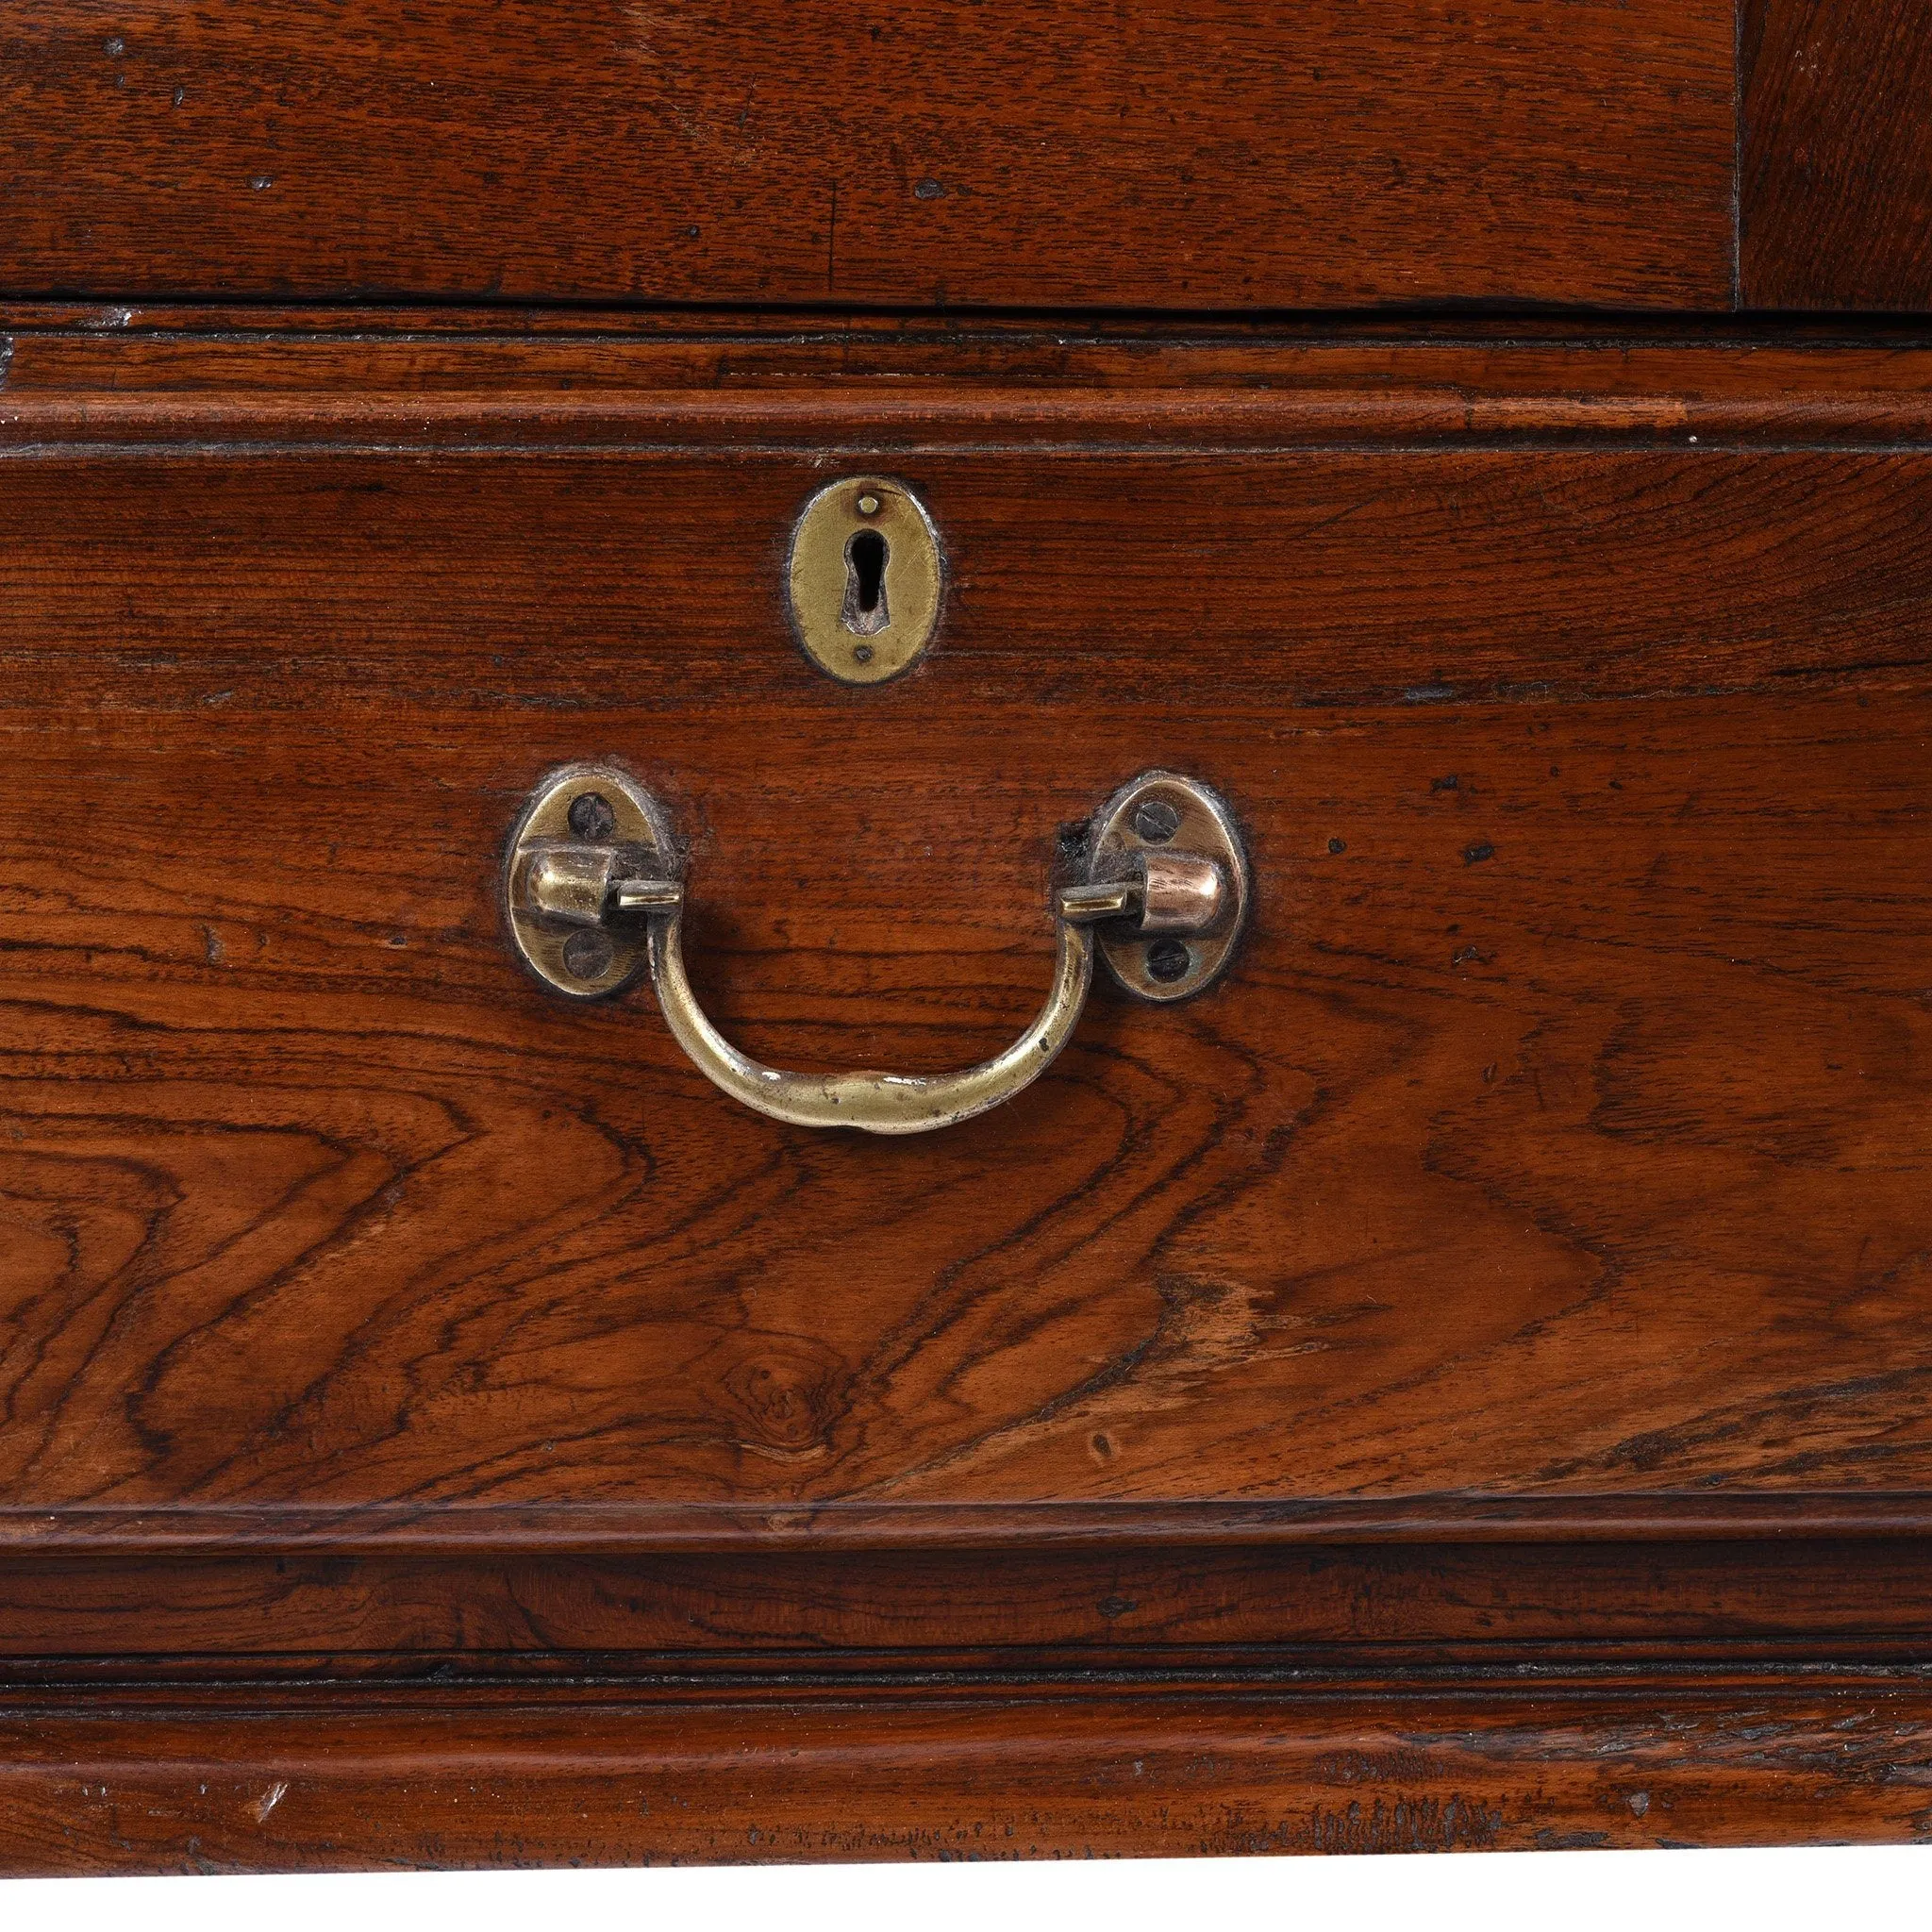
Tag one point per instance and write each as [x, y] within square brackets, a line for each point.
[1836, 207]
[160, 381]
[1462, 1383]
[289, 1782]
[214, 321]
[532, 1612]
[578, 582]
[320, 1202]
[1478, 1180]
[1401, 150]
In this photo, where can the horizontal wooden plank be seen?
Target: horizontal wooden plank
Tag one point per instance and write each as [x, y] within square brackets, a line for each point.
[526, 582]
[854, 327]
[625, 1528]
[1573, 778]
[1197, 155]
[1479, 1171]
[280, 1781]
[533, 1610]
[909, 422]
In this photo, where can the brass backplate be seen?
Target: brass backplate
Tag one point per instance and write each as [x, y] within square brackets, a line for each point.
[603, 805]
[864, 580]
[1161, 812]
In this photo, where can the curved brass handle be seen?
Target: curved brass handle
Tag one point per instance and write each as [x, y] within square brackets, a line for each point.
[877, 1103]
[593, 893]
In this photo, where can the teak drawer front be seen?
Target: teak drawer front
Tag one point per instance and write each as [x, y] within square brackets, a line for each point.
[1193, 155]
[1558, 1141]
[1459, 1382]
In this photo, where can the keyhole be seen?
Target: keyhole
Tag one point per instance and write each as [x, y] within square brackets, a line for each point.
[865, 612]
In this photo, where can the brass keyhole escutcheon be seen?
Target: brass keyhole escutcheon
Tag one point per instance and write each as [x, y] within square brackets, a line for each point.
[864, 580]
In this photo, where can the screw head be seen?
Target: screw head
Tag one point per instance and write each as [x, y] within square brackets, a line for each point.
[586, 955]
[591, 816]
[868, 505]
[1169, 961]
[861, 653]
[1156, 820]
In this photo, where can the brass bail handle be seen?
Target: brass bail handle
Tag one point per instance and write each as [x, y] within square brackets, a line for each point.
[595, 893]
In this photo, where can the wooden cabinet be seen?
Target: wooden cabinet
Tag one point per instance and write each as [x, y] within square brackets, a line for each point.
[1458, 1382]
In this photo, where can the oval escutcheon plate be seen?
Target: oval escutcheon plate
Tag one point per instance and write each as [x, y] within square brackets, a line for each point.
[864, 578]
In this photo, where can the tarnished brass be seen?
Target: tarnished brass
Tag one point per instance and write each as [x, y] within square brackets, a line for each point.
[864, 580]
[874, 1103]
[1174, 837]
[645, 895]
[594, 891]
[1181, 892]
[572, 883]
[557, 880]
[1169, 891]
[1089, 905]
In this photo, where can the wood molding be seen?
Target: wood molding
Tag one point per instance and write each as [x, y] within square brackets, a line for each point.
[645, 1528]
[124, 1615]
[274, 387]
[284, 1779]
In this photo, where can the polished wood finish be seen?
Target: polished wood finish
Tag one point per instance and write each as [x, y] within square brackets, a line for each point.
[940, 1771]
[1482, 1014]
[1528, 915]
[562, 1300]
[1196, 155]
[1461, 1384]
[1487, 1329]
[205, 379]
[1017, 1592]
[1837, 165]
